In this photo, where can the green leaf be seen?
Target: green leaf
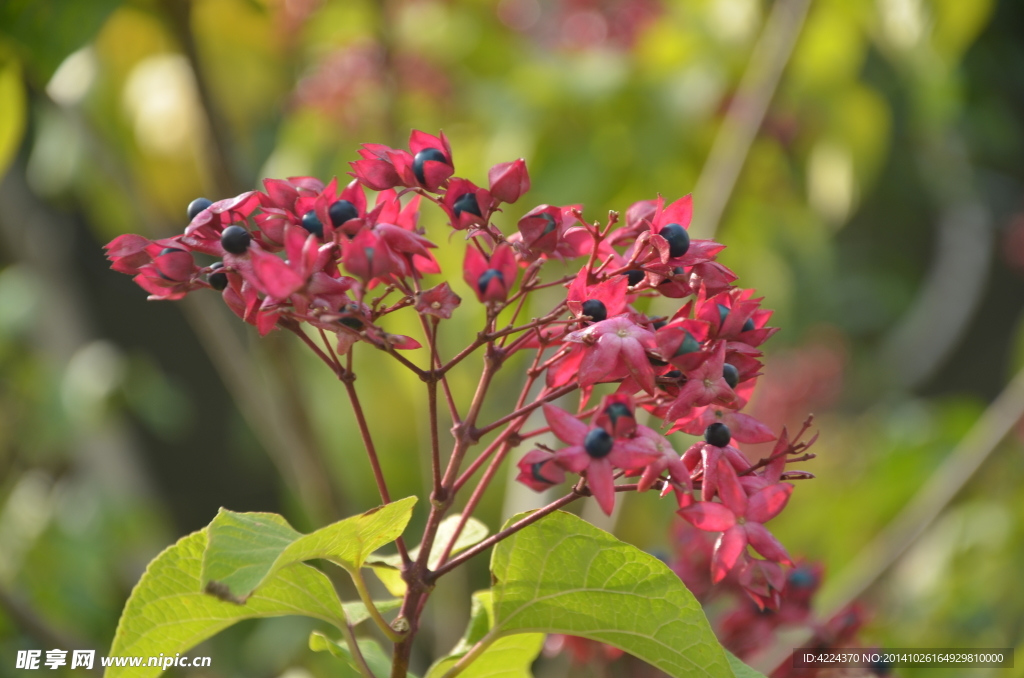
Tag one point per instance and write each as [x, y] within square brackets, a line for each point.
[378, 661]
[740, 669]
[47, 31]
[168, 611]
[563, 575]
[246, 548]
[357, 613]
[386, 567]
[12, 121]
[508, 657]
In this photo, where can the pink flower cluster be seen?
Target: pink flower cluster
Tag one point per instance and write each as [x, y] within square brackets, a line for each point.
[302, 252]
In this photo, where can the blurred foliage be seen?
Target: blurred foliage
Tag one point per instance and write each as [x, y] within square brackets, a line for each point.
[117, 434]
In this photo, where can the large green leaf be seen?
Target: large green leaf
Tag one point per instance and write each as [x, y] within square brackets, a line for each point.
[168, 611]
[507, 657]
[741, 670]
[246, 548]
[563, 575]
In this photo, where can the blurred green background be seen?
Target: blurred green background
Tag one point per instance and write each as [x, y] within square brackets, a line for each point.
[879, 209]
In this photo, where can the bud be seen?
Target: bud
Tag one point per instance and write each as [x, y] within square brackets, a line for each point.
[509, 180]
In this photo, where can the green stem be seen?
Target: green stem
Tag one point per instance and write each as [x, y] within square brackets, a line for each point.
[364, 595]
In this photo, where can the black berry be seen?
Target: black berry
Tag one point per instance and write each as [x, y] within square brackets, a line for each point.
[598, 443]
[723, 313]
[235, 239]
[466, 203]
[217, 278]
[168, 250]
[595, 309]
[354, 323]
[535, 468]
[342, 211]
[311, 222]
[801, 578]
[717, 434]
[424, 156]
[551, 224]
[659, 324]
[635, 276]
[687, 345]
[197, 206]
[673, 374]
[748, 326]
[616, 410]
[678, 240]
[487, 276]
[731, 375]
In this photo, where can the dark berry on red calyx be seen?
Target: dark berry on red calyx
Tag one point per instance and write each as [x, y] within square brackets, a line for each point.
[675, 271]
[311, 222]
[678, 240]
[486, 278]
[717, 434]
[687, 345]
[598, 443]
[659, 324]
[466, 203]
[424, 156]
[595, 309]
[342, 211]
[655, 360]
[881, 667]
[673, 374]
[169, 250]
[616, 410]
[535, 468]
[731, 375]
[197, 206]
[354, 323]
[748, 325]
[801, 578]
[723, 313]
[217, 278]
[635, 276]
[550, 224]
[235, 239]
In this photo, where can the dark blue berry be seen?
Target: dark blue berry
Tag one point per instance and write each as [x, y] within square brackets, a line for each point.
[801, 578]
[717, 434]
[731, 375]
[673, 374]
[687, 345]
[748, 326]
[535, 468]
[635, 276]
[311, 222]
[595, 309]
[598, 443]
[235, 239]
[659, 324]
[354, 323]
[487, 276]
[675, 271]
[616, 410]
[723, 313]
[217, 278]
[426, 155]
[168, 250]
[342, 211]
[678, 240]
[551, 224]
[197, 206]
[466, 203]
[881, 667]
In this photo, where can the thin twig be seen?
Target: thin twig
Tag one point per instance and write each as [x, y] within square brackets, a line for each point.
[746, 113]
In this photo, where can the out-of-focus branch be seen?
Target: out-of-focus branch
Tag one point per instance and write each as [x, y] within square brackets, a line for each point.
[746, 113]
[179, 19]
[921, 511]
[955, 283]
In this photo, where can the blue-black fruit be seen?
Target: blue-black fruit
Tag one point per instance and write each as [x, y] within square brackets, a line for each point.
[235, 239]
[598, 443]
